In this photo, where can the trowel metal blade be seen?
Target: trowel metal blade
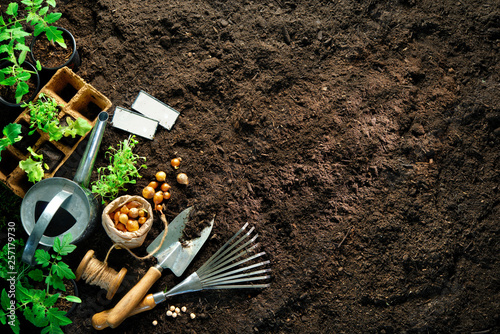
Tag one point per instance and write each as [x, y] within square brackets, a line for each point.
[173, 254]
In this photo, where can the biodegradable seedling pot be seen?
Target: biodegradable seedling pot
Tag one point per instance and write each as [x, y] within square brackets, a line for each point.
[77, 99]
[35, 81]
[49, 55]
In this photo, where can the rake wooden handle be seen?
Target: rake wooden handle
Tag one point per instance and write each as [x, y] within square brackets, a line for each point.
[121, 311]
[99, 320]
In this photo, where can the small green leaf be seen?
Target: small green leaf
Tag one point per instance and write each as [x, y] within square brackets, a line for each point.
[51, 300]
[21, 90]
[52, 328]
[42, 257]
[24, 75]
[36, 275]
[73, 299]
[34, 154]
[12, 9]
[22, 294]
[82, 126]
[39, 28]
[38, 65]
[21, 47]
[8, 81]
[51, 18]
[56, 282]
[57, 316]
[51, 3]
[5, 300]
[12, 132]
[43, 10]
[3, 317]
[22, 56]
[62, 270]
[16, 328]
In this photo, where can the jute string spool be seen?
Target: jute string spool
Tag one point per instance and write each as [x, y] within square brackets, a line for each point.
[95, 272]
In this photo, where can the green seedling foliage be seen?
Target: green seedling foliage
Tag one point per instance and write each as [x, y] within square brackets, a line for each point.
[12, 134]
[37, 305]
[33, 166]
[122, 170]
[13, 40]
[43, 116]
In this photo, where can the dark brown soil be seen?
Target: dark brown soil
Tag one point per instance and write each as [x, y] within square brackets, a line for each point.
[360, 138]
[52, 55]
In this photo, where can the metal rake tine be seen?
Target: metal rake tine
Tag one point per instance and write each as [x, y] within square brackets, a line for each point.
[242, 286]
[224, 255]
[210, 270]
[245, 276]
[223, 247]
[210, 279]
[211, 274]
[258, 278]
[224, 259]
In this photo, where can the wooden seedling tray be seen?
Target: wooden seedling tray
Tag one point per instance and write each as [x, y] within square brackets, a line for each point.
[77, 99]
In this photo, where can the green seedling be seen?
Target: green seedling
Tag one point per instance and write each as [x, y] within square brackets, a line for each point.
[43, 116]
[12, 134]
[37, 305]
[13, 40]
[122, 170]
[33, 166]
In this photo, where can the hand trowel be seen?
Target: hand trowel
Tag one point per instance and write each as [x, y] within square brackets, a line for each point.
[173, 254]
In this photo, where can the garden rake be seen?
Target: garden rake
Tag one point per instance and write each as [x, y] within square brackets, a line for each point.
[224, 270]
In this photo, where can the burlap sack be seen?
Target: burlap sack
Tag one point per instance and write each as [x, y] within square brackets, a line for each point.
[129, 239]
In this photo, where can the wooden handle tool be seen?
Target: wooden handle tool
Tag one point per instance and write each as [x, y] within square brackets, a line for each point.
[99, 320]
[122, 310]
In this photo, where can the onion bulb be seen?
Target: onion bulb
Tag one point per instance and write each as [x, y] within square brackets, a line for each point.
[153, 184]
[176, 162]
[158, 197]
[132, 225]
[161, 176]
[123, 218]
[165, 187]
[148, 192]
[133, 213]
[182, 178]
[121, 227]
[166, 195]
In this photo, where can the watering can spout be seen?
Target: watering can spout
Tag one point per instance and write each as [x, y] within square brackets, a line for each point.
[84, 171]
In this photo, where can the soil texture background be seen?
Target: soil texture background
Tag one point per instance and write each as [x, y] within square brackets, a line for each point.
[360, 138]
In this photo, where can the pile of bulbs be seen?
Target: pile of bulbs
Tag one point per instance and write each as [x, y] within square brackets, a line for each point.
[129, 217]
[151, 190]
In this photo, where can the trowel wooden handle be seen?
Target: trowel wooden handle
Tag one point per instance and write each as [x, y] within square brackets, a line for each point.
[99, 320]
[132, 298]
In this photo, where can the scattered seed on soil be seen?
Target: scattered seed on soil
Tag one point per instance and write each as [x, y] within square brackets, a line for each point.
[155, 322]
[192, 315]
[184, 309]
[169, 313]
[174, 315]
[177, 310]
[172, 308]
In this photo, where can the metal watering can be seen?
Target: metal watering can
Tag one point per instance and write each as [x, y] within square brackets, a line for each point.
[68, 204]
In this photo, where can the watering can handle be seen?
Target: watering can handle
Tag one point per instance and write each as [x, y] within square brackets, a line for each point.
[42, 223]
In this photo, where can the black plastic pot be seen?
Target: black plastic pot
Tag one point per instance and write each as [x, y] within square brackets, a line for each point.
[74, 60]
[32, 96]
[77, 294]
